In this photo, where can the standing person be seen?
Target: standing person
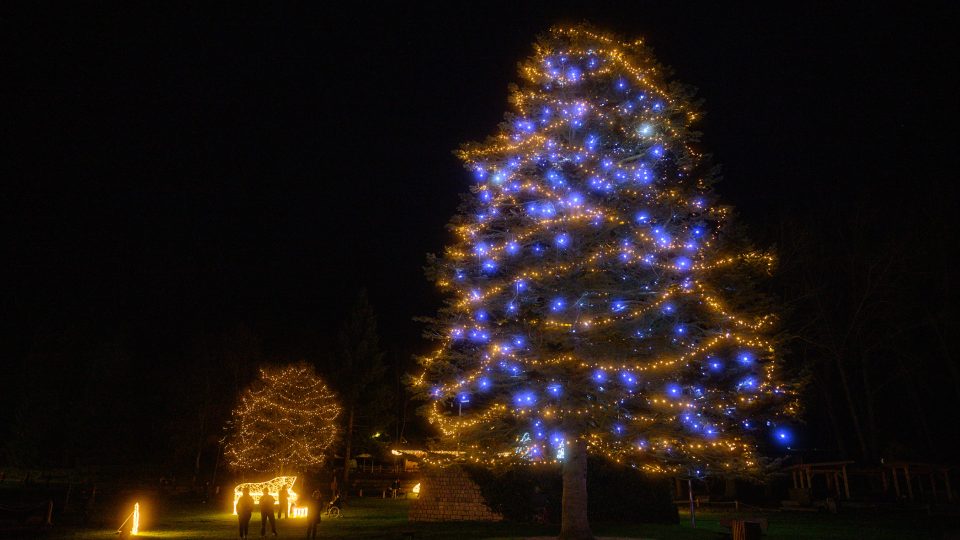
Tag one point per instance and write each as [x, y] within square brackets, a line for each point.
[284, 502]
[266, 513]
[244, 511]
[314, 509]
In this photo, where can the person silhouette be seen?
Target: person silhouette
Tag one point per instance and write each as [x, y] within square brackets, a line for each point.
[266, 513]
[313, 514]
[284, 503]
[244, 511]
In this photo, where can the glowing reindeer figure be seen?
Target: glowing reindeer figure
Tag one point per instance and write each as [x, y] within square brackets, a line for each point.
[272, 487]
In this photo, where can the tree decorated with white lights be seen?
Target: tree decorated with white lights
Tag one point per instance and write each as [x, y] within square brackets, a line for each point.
[599, 298]
[285, 421]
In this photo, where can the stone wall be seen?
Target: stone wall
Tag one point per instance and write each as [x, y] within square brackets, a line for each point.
[448, 494]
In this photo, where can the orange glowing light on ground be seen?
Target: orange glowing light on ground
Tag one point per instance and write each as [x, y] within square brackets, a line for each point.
[135, 528]
[298, 511]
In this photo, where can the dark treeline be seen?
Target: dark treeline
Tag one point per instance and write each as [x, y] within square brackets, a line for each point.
[87, 398]
[866, 312]
[869, 319]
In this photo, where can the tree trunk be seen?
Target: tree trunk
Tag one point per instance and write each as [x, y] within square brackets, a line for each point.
[574, 524]
[872, 441]
[345, 488]
[834, 421]
[852, 407]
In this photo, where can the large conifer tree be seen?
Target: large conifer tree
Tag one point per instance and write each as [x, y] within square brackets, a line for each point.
[599, 300]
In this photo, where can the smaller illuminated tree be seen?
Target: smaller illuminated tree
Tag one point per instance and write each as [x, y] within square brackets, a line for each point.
[285, 421]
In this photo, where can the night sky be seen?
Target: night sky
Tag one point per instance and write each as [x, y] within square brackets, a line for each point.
[175, 171]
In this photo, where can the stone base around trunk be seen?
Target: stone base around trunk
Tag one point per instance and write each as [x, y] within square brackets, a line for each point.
[448, 494]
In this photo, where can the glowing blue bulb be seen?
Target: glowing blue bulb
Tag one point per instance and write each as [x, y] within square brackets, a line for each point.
[574, 200]
[456, 333]
[554, 389]
[573, 75]
[463, 397]
[643, 175]
[714, 364]
[485, 196]
[682, 263]
[680, 330]
[521, 285]
[483, 383]
[782, 436]
[524, 126]
[435, 392]
[618, 305]
[618, 429]
[698, 231]
[591, 142]
[642, 217]
[562, 240]
[480, 315]
[658, 106]
[621, 84]
[518, 341]
[498, 177]
[657, 151]
[557, 304]
[674, 390]
[555, 178]
[524, 399]
[599, 375]
[479, 173]
[628, 378]
[513, 248]
[749, 383]
[668, 308]
[479, 335]
[481, 248]
[645, 129]
[459, 275]
[511, 307]
[489, 265]
[475, 295]
[745, 357]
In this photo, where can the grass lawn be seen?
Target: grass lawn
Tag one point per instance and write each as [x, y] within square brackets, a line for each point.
[385, 519]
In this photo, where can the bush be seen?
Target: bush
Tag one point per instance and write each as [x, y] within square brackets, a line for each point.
[615, 492]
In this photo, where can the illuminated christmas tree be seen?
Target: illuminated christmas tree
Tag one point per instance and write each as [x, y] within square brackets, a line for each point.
[284, 423]
[599, 299]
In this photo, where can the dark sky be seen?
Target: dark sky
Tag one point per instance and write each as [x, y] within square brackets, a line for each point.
[170, 171]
